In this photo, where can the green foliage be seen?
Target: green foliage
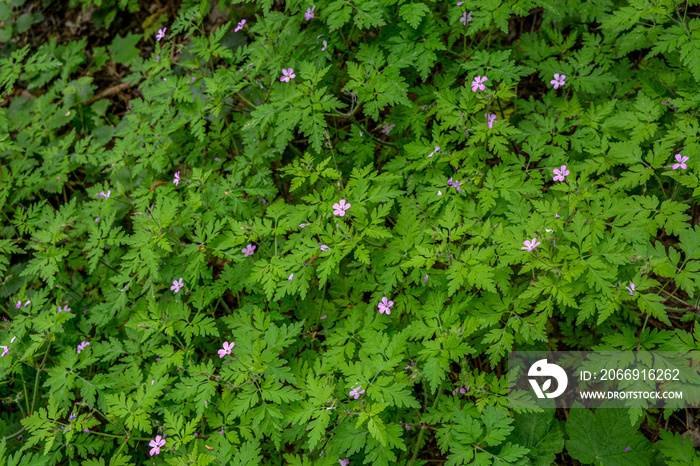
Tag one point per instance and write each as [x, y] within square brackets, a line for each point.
[166, 198]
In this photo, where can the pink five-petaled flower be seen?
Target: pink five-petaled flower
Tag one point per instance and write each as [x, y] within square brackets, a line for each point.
[631, 288]
[5, 351]
[82, 346]
[157, 443]
[161, 34]
[227, 349]
[309, 13]
[490, 119]
[249, 250]
[478, 83]
[288, 74]
[176, 181]
[530, 245]
[466, 18]
[355, 392]
[558, 80]
[386, 129]
[240, 26]
[385, 306]
[344, 462]
[339, 208]
[177, 285]
[681, 162]
[560, 173]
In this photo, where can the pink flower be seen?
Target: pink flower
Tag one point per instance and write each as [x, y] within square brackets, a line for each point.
[97, 219]
[102, 193]
[227, 349]
[478, 83]
[82, 346]
[324, 248]
[161, 34]
[249, 250]
[681, 162]
[324, 316]
[355, 393]
[466, 18]
[156, 444]
[530, 245]
[19, 304]
[385, 306]
[288, 74]
[437, 148]
[309, 13]
[386, 129]
[558, 80]
[325, 44]
[291, 277]
[344, 462]
[560, 173]
[240, 26]
[425, 279]
[631, 288]
[5, 351]
[177, 285]
[176, 181]
[340, 208]
[490, 119]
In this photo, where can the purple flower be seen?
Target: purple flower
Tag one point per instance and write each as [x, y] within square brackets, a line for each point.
[19, 304]
[439, 193]
[221, 432]
[82, 346]
[560, 173]
[176, 181]
[156, 444]
[65, 308]
[425, 279]
[631, 288]
[240, 26]
[72, 416]
[5, 351]
[340, 208]
[227, 349]
[325, 44]
[386, 129]
[303, 225]
[627, 448]
[490, 119]
[681, 162]
[309, 13]
[27, 303]
[466, 18]
[344, 462]
[407, 427]
[97, 219]
[530, 245]
[291, 277]
[86, 431]
[558, 80]
[249, 250]
[161, 34]
[437, 148]
[385, 306]
[102, 193]
[355, 393]
[478, 83]
[324, 248]
[177, 285]
[288, 74]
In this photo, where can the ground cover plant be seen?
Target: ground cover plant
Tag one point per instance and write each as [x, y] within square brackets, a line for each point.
[310, 233]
